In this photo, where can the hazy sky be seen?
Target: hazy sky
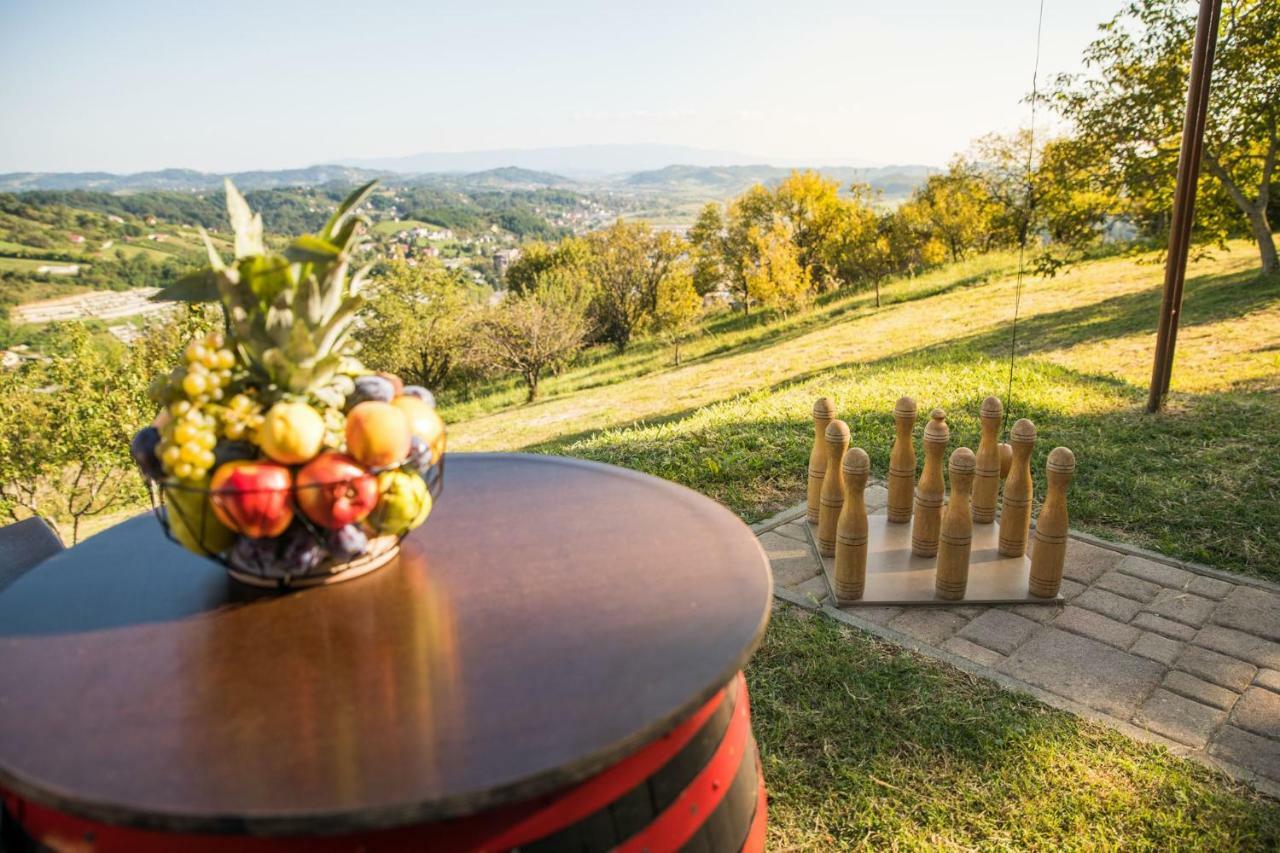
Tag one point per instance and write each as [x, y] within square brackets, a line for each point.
[224, 86]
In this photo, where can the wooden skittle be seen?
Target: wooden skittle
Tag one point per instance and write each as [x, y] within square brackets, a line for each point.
[851, 527]
[832, 499]
[823, 412]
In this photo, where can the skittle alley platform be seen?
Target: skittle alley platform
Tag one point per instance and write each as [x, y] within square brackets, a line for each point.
[1161, 650]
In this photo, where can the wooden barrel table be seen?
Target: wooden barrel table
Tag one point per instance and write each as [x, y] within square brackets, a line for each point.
[553, 663]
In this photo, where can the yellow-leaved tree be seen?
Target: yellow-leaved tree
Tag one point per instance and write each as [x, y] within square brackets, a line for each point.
[772, 272]
[679, 307]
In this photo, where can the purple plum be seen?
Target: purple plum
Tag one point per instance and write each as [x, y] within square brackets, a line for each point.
[371, 388]
[143, 449]
[347, 543]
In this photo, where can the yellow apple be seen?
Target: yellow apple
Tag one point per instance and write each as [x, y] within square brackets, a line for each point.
[291, 433]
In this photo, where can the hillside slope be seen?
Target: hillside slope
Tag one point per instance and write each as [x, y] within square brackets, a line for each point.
[733, 421]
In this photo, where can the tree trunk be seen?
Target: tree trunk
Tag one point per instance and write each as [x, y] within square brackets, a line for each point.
[1261, 229]
[677, 355]
[1255, 210]
[877, 293]
[531, 379]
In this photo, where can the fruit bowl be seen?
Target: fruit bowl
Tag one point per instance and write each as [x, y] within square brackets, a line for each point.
[307, 552]
[275, 451]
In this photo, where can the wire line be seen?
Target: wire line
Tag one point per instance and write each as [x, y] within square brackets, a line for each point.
[1026, 223]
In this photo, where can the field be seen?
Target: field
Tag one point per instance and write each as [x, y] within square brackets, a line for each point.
[393, 226]
[25, 264]
[867, 746]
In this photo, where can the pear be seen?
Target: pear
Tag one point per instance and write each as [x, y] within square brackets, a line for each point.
[192, 521]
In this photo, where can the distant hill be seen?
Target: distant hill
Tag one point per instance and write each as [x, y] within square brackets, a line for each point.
[577, 161]
[184, 180]
[505, 177]
[724, 181]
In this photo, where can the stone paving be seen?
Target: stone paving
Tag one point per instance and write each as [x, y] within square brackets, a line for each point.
[1162, 650]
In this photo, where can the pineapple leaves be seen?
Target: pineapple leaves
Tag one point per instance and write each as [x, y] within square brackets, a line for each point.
[345, 238]
[310, 301]
[289, 315]
[246, 224]
[312, 249]
[350, 203]
[215, 259]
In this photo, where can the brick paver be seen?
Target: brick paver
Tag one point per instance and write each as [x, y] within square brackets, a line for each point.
[1200, 690]
[1258, 711]
[999, 630]
[1108, 604]
[1162, 626]
[1221, 669]
[1179, 718]
[1128, 586]
[1180, 606]
[1191, 657]
[1158, 648]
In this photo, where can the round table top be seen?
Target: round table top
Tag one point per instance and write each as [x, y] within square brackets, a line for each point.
[551, 617]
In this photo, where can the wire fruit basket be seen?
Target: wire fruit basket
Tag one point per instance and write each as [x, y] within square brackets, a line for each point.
[308, 552]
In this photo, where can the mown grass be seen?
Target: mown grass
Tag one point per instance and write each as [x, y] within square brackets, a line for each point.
[1199, 482]
[867, 746]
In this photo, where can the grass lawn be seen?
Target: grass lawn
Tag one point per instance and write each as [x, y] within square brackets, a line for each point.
[867, 746]
[733, 421]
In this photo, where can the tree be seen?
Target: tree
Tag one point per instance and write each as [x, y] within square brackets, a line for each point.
[706, 241]
[957, 209]
[858, 253]
[627, 262]
[419, 323]
[1074, 202]
[748, 214]
[814, 213]
[679, 307]
[1000, 162]
[66, 424]
[772, 271]
[533, 332]
[1128, 109]
[538, 259]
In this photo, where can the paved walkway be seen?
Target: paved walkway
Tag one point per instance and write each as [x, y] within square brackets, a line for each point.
[1162, 650]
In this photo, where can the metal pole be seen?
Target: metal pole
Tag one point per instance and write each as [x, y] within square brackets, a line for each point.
[1184, 199]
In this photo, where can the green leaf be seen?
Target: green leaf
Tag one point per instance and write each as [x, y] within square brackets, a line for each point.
[310, 303]
[246, 224]
[352, 201]
[346, 238]
[215, 259]
[311, 249]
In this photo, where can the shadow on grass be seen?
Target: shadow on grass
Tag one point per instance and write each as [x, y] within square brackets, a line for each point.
[1207, 299]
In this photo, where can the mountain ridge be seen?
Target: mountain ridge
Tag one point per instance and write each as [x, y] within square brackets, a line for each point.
[715, 180]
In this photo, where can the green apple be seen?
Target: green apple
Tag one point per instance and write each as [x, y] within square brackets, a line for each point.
[403, 503]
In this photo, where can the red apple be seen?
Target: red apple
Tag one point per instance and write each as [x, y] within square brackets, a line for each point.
[252, 497]
[334, 491]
